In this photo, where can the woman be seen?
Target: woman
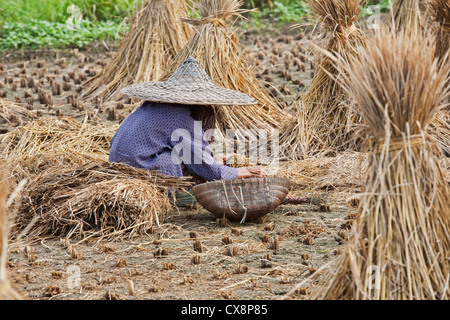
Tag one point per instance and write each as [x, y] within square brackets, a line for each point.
[167, 132]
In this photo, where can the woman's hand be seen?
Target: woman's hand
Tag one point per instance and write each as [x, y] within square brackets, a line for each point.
[251, 172]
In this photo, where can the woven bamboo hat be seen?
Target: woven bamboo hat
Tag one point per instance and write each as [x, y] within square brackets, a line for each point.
[190, 85]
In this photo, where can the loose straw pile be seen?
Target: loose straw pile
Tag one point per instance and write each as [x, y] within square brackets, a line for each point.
[348, 170]
[324, 118]
[13, 113]
[54, 141]
[6, 292]
[439, 129]
[400, 245]
[215, 47]
[155, 37]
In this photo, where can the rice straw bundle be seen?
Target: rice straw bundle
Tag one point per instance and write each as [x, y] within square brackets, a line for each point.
[408, 14]
[98, 198]
[155, 37]
[12, 112]
[404, 223]
[6, 292]
[55, 141]
[215, 47]
[440, 14]
[324, 118]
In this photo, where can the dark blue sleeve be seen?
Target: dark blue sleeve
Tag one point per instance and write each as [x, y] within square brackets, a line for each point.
[191, 146]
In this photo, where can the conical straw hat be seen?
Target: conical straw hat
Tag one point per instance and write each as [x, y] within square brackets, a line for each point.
[189, 84]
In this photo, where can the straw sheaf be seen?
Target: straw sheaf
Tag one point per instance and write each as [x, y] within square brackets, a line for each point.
[409, 14]
[155, 37]
[325, 120]
[439, 11]
[215, 47]
[6, 292]
[403, 224]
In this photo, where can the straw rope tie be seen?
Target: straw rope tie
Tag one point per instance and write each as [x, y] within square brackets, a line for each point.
[400, 143]
[348, 31]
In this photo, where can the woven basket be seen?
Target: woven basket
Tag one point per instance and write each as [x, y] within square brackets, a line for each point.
[242, 199]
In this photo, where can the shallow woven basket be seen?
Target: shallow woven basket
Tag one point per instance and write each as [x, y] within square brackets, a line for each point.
[242, 199]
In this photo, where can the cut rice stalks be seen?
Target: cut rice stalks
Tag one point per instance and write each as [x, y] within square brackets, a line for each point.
[155, 37]
[215, 47]
[96, 199]
[324, 117]
[6, 291]
[400, 244]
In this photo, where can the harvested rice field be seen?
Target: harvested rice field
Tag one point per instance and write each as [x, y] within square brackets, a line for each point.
[85, 229]
[263, 260]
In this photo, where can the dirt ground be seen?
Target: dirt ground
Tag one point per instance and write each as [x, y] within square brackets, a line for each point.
[242, 261]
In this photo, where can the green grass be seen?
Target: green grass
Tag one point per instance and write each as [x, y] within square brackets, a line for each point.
[57, 10]
[27, 24]
[43, 23]
[281, 12]
[41, 33]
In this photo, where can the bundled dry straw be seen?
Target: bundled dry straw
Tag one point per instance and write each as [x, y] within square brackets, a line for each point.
[98, 198]
[403, 230]
[155, 37]
[6, 292]
[408, 14]
[325, 119]
[215, 47]
[440, 14]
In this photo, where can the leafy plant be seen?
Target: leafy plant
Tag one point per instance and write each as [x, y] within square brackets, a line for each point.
[41, 33]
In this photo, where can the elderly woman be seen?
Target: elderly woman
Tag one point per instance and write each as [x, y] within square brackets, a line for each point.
[167, 132]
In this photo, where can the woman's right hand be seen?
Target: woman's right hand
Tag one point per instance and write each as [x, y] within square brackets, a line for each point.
[251, 172]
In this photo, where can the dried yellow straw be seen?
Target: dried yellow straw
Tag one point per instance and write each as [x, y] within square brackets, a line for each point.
[440, 14]
[155, 37]
[324, 118]
[98, 198]
[408, 14]
[215, 47]
[400, 244]
[6, 292]
[54, 141]
[13, 113]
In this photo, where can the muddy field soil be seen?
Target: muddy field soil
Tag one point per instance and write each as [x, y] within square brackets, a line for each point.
[191, 255]
[262, 260]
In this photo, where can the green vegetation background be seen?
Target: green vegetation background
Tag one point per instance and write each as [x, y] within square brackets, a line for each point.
[26, 24]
